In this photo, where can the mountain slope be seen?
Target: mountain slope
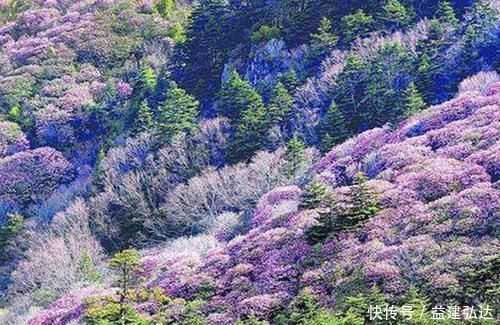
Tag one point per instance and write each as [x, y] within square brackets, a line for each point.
[435, 179]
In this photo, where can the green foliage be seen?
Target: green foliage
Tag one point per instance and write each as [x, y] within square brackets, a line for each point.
[193, 314]
[88, 269]
[356, 25]
[280, 105]
[207, 47]
[294, 156]
[314, 195]
[265, 33]
[483, 284]
[331, 219]
[124, 262]
[250, 132]
[332, 128]
[14, 224]
[178, 33]
[144, 117]
[371, 93]
[302, 310]
[395, 14]
[413, 101]
[147, 80]
[15, 113]
[365, 204]
[107, 311]
[356, 307]
[165, 7]
[323, 40]
[177, 114]
[447, 15]
[237, 96]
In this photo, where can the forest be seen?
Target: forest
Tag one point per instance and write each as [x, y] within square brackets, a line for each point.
[220, 162]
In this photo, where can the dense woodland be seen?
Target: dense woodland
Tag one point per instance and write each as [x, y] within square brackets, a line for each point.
[248, 162]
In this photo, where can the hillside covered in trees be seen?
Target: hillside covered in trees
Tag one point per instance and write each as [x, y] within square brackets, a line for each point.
[248, 162]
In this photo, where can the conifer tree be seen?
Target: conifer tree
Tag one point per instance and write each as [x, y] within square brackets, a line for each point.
[178, 112]
[365, 204]
[332, 128]
[250, 133]
[446, 14]
[294, 155]
[124, 263]
[314, 195]
[237, 96]
[323, 40]
[147, 80]
[165, 7]
[280, 105]
[356, 25]
[395, 14]
[14, 224]
[144, 117]
[88, 269]
[413, 101]
[206, 47]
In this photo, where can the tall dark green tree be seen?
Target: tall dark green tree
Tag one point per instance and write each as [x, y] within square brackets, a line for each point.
[314, 195]
[446, 14]
[147, 80]
[210, 36]
[395, 14]
[324, 39]
[250, 134]
[294, 155]
[356, 25]
[365, 204]
[144, 117]
[413, 101]
[332, 128]
[125, 262]
[177, 114]
[279, 107]
[14, 224]
[237, 96]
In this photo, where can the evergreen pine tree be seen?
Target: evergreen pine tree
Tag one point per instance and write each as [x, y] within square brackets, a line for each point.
[294, 156]
[429, 63]
[147, 80]
[237, 96]
[413, 101]
[314, 195]
[125, 262]
[88, 269]
[165, 7]
[144, 117]
[177, 114]
[332, 128]
[250, 133]
[14, 224]
[446, 14]
[365, 204]
[323, 40]
[290, 80]
[206, 47]
[395, 14]
[280, 105]
[356, 25]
